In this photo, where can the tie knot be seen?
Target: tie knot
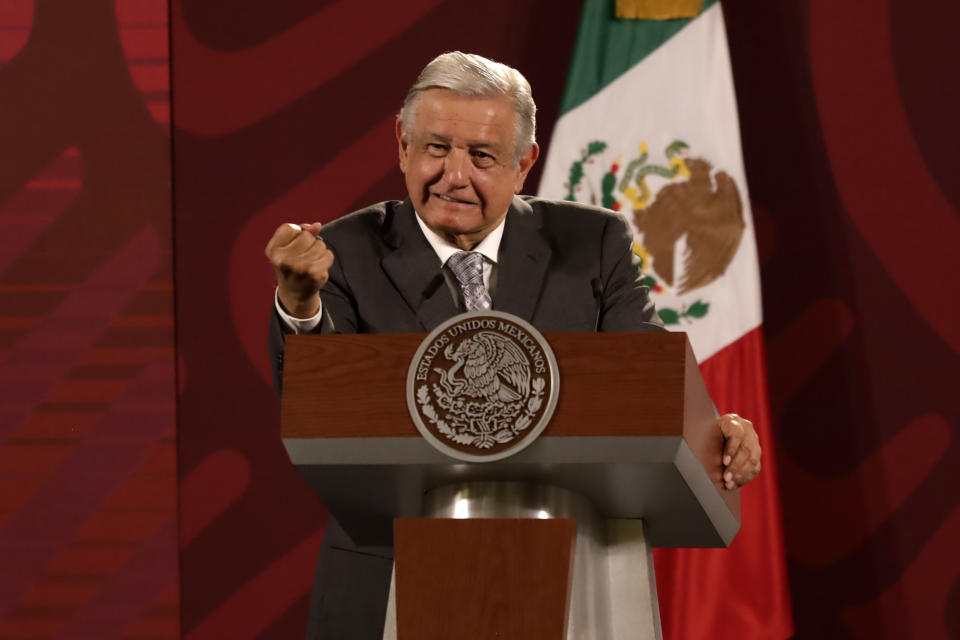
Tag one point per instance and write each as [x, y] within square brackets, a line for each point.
[467, 266]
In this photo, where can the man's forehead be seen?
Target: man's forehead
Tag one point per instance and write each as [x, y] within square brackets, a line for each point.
[440, 104]
[442, 114]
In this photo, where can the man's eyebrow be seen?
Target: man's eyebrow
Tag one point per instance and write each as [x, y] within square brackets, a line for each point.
[484, 145]
[473, 144]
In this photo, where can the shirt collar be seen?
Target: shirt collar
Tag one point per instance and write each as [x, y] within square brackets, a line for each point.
[489, 247]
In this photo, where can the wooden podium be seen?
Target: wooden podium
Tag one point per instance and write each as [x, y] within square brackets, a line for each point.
[553, 542]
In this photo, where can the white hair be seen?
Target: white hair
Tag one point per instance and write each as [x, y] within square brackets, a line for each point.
[467, 74]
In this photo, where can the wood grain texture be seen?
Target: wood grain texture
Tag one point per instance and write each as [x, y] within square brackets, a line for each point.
[350, 385]
[483, 578]
[612, 384]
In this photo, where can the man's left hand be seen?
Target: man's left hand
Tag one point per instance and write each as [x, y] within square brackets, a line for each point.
[741, 450]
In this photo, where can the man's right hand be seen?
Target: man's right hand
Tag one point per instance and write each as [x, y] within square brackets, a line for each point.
[302, 263]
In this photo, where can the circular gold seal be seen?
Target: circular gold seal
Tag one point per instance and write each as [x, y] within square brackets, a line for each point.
[482, 386]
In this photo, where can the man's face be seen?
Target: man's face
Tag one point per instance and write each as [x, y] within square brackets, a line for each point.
[458, 163]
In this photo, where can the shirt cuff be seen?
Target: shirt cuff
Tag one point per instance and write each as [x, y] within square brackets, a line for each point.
[297, 325]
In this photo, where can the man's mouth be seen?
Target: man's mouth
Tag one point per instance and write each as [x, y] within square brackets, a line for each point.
[452, 199]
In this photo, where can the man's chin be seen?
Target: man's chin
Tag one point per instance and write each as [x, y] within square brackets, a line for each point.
[452, 227]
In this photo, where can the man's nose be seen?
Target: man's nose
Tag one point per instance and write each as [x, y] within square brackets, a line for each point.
[456, 168]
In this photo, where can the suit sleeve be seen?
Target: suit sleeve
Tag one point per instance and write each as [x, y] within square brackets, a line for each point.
[625, 303]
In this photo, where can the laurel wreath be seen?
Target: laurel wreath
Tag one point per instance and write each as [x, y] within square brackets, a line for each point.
[483, 440]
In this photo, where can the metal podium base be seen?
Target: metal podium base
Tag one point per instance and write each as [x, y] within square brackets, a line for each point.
[613, 593]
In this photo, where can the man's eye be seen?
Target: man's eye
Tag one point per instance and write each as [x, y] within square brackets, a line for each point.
[483, 158]
[436, 149]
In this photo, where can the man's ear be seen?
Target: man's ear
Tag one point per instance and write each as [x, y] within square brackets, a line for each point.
[402, 145]
[523, 167]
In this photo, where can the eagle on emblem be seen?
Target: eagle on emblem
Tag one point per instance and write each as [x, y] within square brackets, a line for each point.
[493, 367]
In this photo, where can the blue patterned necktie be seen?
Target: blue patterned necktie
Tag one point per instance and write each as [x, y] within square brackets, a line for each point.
[467, 266]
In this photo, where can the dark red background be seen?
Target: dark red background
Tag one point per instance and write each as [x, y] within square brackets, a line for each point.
[283, 111]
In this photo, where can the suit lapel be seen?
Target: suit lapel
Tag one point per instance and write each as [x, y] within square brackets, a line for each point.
[522, 263]
[414, 269]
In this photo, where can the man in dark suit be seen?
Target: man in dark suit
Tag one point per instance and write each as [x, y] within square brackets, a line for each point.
[462, 240]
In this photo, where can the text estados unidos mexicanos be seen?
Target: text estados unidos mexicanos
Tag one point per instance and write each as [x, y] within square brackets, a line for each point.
[521, 336]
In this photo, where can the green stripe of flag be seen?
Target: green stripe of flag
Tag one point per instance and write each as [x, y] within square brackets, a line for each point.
[607, 46]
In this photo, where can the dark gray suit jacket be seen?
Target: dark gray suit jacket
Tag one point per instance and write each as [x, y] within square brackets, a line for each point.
[561, 267]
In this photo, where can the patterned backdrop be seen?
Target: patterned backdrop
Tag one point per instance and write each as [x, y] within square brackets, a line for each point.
[87, 407]
[284, 111]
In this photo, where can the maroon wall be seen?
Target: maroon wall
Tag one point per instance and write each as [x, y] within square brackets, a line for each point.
[283, 111]
[848, 115]
[88, 544]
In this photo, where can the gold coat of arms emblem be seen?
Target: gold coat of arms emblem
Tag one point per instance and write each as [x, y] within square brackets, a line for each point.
[482, 386]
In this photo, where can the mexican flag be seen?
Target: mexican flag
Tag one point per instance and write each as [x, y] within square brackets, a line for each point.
[649, 129]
